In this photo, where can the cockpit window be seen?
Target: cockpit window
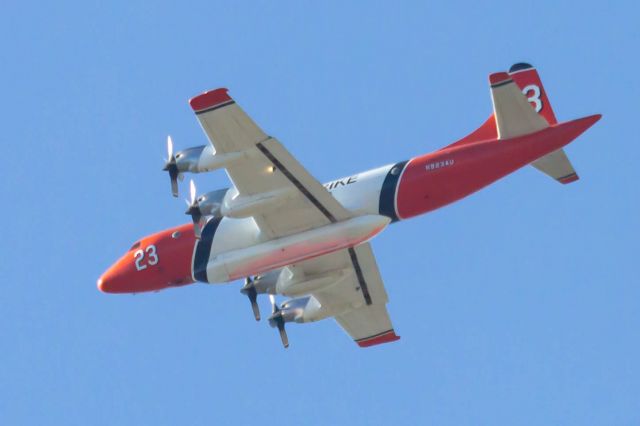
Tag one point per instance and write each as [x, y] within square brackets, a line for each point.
[176, 235]
[135, 245]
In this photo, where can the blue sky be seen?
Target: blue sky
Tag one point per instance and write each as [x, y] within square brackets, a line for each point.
[518, 305]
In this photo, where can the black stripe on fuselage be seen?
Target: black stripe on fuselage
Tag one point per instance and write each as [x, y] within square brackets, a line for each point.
[387, 206]
[203, 250]
[360, 276]
[215, 107]
[295, 182]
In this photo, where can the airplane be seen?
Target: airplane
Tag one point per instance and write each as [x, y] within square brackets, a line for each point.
[285, 233]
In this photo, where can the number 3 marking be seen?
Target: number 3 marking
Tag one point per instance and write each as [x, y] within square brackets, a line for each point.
[535, 96]
[139, 258]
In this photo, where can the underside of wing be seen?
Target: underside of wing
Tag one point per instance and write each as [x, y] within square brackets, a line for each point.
[357, 301]
[284, 199]
[271, 185]
[368, 325]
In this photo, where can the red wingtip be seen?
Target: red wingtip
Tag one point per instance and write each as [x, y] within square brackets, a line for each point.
[209, 99]
[389, 336]
[498, 77]
[568, 179]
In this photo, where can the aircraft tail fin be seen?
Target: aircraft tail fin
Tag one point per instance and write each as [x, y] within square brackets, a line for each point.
[513, 114]
[555, 164]
[513, 117]
[527, 79]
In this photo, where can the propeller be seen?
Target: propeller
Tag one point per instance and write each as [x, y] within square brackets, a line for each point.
[276, 320]
[249, 289]
[171, 167]
[193, 209]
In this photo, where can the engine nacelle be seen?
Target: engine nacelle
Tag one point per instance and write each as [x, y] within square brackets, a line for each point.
[238, 207]
[209, 204]
[302, 309]
[266, 283]
[293, 282]
[203, 158]
[191, 159]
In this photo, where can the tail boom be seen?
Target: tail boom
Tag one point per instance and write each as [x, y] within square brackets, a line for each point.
[442, 177]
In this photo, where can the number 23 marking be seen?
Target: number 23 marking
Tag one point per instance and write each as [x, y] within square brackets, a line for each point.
[151, 260]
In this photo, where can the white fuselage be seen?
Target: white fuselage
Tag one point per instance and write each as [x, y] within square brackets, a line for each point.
[359, 193]
[237, 243]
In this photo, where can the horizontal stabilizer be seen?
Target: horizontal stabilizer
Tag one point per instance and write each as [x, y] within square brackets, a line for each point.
[558, 166]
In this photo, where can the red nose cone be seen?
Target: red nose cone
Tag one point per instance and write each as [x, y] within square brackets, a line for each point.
[121, 278]
[155, 262]
[103, 288]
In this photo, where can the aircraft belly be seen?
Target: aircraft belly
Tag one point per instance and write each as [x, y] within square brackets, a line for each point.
[273, 254]
[234, 234]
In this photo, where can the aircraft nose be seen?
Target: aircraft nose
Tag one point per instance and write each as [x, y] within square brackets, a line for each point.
[105, 283]
[153, 263]
[101, 284]
[114, 280]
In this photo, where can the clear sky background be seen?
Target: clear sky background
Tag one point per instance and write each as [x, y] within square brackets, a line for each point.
[518, 305]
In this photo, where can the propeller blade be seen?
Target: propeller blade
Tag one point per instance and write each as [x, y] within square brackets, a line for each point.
[169, 148]
[255, 308]
[283, 334]
[277, 320]
[197, 230]
[192, 191]
[171, 167]
[274, 307]
[173, 175]
[250, 291]
[194, 209]
[195, 214]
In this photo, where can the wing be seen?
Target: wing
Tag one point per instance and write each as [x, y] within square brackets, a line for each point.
[290, 200]
[358, 301]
